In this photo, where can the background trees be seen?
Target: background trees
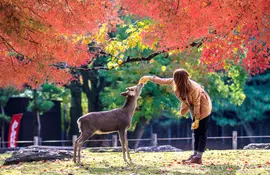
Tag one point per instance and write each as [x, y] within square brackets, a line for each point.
[100, 47]
[5, 94]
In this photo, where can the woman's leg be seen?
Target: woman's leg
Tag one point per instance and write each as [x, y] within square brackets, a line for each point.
[196, 141]
[196, 145]
[202, 134]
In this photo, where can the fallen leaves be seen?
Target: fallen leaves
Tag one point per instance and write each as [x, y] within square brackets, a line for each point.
[214, 162]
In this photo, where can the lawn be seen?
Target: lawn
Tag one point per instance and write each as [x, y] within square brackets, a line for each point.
[215, 162]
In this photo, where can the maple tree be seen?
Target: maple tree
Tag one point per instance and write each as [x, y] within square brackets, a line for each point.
[227, 27]
[35, 35]
[40, 39]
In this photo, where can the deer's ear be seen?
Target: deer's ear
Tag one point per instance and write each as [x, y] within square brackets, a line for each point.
[124, 93]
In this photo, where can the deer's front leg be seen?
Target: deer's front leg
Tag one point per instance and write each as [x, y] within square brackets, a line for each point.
[127, 150]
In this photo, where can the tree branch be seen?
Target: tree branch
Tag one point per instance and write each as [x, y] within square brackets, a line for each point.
[128, 60]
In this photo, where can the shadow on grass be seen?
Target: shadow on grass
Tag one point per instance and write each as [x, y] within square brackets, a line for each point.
[122, 169]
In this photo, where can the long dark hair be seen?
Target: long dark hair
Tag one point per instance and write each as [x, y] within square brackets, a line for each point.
[181, 83]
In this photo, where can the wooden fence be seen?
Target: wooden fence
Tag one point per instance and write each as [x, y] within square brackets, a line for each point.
[154, 139]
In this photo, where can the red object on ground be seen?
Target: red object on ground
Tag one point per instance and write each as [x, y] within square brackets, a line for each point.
[14, 130]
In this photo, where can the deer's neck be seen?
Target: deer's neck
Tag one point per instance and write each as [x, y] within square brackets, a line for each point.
[130, 105]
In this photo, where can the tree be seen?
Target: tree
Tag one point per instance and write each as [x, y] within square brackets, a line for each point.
[36, 35]
[46, 38]
[42, 102]
[5, 95]
[227, 28]
[254, 108]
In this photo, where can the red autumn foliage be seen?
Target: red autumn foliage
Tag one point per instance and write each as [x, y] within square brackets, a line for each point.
[43, 32]
[228, 28]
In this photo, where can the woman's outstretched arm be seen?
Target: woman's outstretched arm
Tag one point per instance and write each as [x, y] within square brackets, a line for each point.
[157, 80]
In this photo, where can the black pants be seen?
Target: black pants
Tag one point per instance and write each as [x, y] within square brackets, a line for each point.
[200, 135]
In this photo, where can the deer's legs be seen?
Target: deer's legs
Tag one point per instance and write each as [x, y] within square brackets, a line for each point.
[122, 140]
[75, 149]
[126, 144]
[80, 142]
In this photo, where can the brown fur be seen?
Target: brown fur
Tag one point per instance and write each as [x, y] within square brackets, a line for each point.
[116, 120]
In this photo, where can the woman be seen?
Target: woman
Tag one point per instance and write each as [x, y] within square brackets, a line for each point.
[193, 98]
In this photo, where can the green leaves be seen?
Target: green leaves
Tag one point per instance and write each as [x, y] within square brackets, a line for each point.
[6, 93]
[41, 105]
[42, 98]
[4, 118]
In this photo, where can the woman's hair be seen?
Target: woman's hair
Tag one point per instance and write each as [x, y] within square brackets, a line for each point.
[181, 82]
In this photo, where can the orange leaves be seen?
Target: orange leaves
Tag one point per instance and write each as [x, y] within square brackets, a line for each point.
[229, 24]
[42, 32]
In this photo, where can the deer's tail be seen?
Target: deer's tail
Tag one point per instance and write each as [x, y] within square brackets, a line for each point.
[79, 124]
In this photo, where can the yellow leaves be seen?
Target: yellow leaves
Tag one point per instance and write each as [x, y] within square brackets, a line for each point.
[115, 48]
[101, 35]
[121, 56]
[163, 68]
[120, 62]
[77, 38]
[130, 30]
[131, 43]
[151, 61]
[238, 28]
[80, 38]
[111, 65]
[171, 52]
[86, 40]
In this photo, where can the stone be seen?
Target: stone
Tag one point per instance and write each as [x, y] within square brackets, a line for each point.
[257, 146]
[37, 154]
[162, 148]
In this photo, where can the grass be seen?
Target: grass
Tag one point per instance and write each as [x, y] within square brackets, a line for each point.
[215, 162]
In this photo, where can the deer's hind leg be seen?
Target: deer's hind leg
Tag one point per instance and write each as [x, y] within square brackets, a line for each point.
[81, 140]
[122, 140]
[75, 148]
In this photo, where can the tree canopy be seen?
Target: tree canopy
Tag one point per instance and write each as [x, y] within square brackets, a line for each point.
[41, 40]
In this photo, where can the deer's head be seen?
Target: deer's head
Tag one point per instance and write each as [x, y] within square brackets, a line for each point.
[133, 91]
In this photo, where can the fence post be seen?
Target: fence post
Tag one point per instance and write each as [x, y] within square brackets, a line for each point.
[154, 139]
[74, 138]
[36, 140]
[234, 140]
[114, 141]
[192, 140]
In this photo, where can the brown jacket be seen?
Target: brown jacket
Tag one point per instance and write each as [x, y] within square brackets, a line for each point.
[196, 97]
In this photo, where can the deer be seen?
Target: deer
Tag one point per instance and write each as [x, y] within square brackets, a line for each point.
[105, 122]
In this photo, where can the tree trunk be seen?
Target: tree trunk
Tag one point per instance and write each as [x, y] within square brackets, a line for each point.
[140, 131]
[2, 110]
[38, 126]
[76, 107]
[3, 134]
[93, 97]
[92, 93]
[35, 112]
[3, 128]
[249, 131]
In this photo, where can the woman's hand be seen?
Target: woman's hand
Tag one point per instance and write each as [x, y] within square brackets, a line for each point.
[145, 79]
[195, 124]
